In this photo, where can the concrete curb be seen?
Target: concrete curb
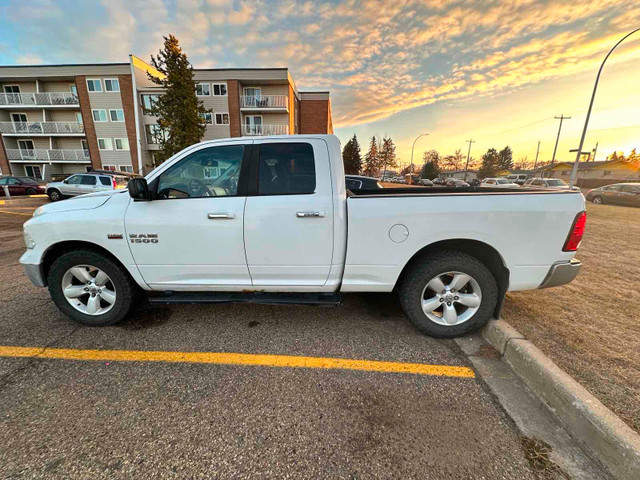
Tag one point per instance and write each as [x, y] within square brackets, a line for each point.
[611, 440]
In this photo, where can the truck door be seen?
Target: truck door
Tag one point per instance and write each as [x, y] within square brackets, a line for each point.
[191, 237]
[289, 213]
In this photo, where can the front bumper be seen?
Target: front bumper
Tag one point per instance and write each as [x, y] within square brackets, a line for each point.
[34, 272]
[561, 273]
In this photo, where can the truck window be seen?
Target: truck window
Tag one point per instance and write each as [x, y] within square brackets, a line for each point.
[286, 169]
[88, 180]
[105, 181]
[210, 172]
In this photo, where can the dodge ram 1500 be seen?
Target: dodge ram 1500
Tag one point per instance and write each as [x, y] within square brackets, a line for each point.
[269, 219]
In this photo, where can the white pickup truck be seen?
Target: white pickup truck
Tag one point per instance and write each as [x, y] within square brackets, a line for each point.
[269, 219]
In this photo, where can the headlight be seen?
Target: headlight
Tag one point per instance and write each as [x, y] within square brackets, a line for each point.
[28, 241]
[38, 211]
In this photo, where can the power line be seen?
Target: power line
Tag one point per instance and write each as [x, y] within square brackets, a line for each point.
[518, 128]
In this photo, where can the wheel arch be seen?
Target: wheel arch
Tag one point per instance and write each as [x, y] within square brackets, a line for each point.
[60, 248]
[482, 251]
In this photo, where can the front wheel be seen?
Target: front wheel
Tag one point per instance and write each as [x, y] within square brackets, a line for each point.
[90, 288]
[54, 195]
[448, 294]
[597, 200]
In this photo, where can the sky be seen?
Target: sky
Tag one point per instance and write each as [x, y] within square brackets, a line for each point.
[496, 72]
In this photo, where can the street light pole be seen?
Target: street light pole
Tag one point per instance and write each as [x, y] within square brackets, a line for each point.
[537, 152]
[574, 172]
[466, 167]
[412, 148]
[561, 118]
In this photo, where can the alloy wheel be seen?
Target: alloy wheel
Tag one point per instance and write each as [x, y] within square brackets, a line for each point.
[89, 290]
[451, 298]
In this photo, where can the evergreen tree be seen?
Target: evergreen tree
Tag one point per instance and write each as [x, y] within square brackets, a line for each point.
[387, 157]
[505, 159]
[351, 157]
[490, 165]
[371, 159]
[180, 113]
[431, 165]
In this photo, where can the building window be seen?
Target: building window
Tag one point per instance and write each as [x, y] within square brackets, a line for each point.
[73, 89]
[84, 145]
[222, 119]
[33, 171]
[111, 168]
[126, 168]
[105, 144]
[155, 134]
[208, 118]
[11, 89]
[116, 115]
[94, 85]
[111, 85]
[148, 102]
[79, 117]
[121, 143]
[606, 173]
[99, 115]
[219, 89]
[565, 172]
[203, 89]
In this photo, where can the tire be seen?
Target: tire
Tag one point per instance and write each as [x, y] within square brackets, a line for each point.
[415, 286]
[54, 195]
[597, 200]
[120, 288]
[31, 191]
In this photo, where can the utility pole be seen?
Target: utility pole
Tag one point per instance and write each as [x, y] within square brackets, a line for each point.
[561, 118]
[468, 154]
[537, 153]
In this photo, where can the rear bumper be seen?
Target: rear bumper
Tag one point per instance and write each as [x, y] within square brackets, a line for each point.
[561, 273]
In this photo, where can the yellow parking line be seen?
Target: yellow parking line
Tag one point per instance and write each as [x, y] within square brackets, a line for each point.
[223, 358]
[17, 213]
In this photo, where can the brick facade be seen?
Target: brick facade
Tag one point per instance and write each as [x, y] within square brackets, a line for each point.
[87, 120]
[4, 161]
[315, 116]
[235, 119]
[126, 92]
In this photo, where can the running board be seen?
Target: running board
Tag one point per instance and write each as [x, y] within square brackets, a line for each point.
[266, 298]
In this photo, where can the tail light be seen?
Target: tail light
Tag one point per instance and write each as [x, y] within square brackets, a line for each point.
[113, 182]
[576, 233]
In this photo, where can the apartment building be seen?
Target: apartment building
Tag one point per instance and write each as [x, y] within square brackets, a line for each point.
[64, 119]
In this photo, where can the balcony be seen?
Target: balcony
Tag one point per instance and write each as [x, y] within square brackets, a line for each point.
[42, 129]
[48, 155]
[253, 130]
[39, 100]
[265, 103]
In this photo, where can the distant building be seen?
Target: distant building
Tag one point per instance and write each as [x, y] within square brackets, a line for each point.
[64, 119]
[459, 174]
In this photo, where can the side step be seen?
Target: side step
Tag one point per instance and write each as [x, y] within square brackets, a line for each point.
[266, 298]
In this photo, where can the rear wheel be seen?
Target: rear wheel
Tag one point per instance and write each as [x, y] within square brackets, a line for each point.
[448, 294]
[90, 288]
[597, 200]
[54, 195]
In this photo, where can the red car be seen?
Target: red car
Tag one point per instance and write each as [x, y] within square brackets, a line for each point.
[21, 186]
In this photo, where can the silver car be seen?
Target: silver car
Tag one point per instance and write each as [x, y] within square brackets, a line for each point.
[82, 183]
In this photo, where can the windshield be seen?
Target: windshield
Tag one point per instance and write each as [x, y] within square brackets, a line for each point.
[556, 183]
[504, 181]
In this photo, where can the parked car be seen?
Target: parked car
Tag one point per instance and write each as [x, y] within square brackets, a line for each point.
[21, 186]
[83, 183]
[438, 181]
[499, 183]
[276, 219]
[518, 178]
[359, 182]
[619, 194]
[456, 183]
[425, 182]
[474, 182]
[546, 183]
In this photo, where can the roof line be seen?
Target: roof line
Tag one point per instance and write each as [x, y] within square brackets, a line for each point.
[65, 65]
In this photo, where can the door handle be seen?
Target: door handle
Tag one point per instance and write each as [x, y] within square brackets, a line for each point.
[221, 216]
[314, 214]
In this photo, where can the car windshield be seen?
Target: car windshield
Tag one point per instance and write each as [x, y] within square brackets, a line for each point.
[504, 181]
[556, 183]
[28, 180]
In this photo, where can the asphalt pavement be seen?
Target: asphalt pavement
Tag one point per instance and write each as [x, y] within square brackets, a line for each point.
[83, 418]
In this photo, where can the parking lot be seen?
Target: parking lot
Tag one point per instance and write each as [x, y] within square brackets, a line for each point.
[198, 417]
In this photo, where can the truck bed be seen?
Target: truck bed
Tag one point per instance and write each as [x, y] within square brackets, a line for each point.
[421, 191]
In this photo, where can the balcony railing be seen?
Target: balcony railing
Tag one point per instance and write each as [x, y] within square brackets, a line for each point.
[42, 128]
[250, 130]
[39, 99]
[49, 155]
[264, 101]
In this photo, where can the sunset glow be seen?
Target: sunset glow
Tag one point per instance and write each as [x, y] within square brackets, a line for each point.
[494, 71]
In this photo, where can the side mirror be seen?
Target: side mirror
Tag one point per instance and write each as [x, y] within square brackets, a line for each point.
[138, 189]
[66, 180]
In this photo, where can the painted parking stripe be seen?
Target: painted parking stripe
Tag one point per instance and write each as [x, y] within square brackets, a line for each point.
[16, 213]
[223, 358]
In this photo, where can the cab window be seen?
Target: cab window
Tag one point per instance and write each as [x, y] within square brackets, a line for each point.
[286, 169]
[74, 180]
[88, 180]
[210, 172]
